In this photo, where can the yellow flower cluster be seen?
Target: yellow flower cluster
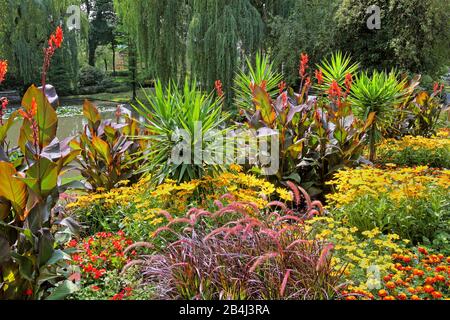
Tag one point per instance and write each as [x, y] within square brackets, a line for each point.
[416, 143]
[398, 184]
[357, 255]
[443, 133]
[177, 198]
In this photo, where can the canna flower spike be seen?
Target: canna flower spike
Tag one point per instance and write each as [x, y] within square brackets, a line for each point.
[3, 69]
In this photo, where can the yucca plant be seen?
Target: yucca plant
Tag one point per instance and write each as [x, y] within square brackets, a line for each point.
[378, 94]
[183, 123]
[336, 69]
[261, 74]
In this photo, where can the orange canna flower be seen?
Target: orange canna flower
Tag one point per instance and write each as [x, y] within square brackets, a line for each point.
[59, 36]
[33, 107]
[3, 69]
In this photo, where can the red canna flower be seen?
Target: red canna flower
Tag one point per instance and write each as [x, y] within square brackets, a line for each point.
[218, 85]
[284, 99]
[263, 85]
[282, 86]
[3, 109]
[436, 88]
[348, 82]
[304, 59]
[319, 76]
[334, 91]
[307, 83]
[59, 36]
[3, 69]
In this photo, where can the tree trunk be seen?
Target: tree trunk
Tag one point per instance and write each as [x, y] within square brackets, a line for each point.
[132, 65]
[372, 143]
[92, 49]
[113, 46]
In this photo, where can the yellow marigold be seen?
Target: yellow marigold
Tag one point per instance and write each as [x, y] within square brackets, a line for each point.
[398, 184]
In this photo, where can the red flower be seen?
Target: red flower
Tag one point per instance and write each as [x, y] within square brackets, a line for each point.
[307, 82]
[3, 69]
[118, 296]
[334, 91]
[284, 99]
[304, 59]
[319, 76]
[348, 82]
[218, 85]
[95, 288]
[58, 37]
[282, 86]
[263, 85]
[28, 292]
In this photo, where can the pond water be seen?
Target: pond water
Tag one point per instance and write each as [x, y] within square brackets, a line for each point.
[70, 120]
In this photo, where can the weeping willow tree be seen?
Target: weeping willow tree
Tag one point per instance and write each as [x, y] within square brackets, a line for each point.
[220, 35]
[26, 29]
[158, 29]
[204, 38]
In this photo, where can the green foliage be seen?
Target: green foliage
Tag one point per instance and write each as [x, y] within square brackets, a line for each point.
[414, 34]
[262, 74]
[426, 110]
[416, 151]
[106, 149]
[90, 76]
[316, 137]
[305, 26]
[161, 46]
[377, 94]
[177, 117]
[26, 24]
[29, 190]
[336, 68]
[421, 219]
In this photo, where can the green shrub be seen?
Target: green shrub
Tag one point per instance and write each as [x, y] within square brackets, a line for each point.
[90, 76]
[415, 151]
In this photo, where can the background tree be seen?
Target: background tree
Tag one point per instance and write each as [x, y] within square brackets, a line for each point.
[102, 22]
[26, 26]
[307, 28]
[159, 31]
[221, 34]
[414, 34]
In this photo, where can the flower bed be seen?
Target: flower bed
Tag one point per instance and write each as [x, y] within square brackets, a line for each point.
[412, 151]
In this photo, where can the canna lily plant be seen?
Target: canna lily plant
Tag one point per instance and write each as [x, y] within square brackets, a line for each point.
[317, 136]
[32, 265]
[105, 148]
[30, 261]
